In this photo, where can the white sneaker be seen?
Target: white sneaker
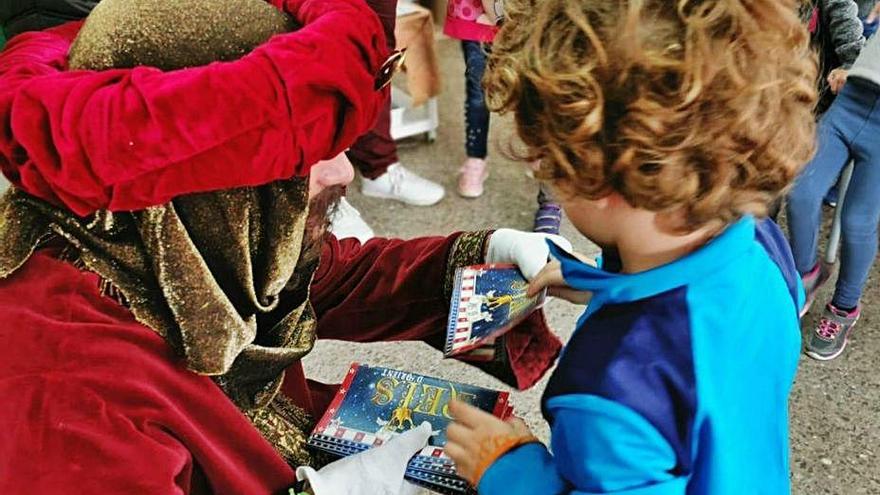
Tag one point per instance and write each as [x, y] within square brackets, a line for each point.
[347, 222]
[403, 185]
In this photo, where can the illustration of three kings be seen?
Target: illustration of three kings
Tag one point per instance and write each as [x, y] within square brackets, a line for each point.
[164, 265]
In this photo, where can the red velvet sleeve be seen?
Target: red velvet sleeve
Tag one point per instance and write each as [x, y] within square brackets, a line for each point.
[132, 138]
[390, 289]
[385, 289]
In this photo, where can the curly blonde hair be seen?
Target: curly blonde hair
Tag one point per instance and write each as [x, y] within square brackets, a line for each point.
[699, 107]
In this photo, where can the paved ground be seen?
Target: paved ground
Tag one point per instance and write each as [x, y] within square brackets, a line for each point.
[835, 413]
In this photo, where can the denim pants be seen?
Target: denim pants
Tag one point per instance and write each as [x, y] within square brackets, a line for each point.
[850, 130]
[476, 115]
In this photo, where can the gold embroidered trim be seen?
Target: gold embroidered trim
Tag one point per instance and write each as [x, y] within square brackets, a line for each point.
[70, 254]
[285, 425]
[468, 249]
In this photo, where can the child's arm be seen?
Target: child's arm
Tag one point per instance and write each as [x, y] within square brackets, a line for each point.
[600, 446]
[494, 10]
[874, 15]
[841, 18]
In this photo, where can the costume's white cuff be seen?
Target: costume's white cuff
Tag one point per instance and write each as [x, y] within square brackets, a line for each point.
[528, 250]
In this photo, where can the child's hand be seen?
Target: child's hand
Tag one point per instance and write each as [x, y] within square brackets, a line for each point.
[836, 79]
[874, 15]
[550, 278]
[477, 439]
[492, 10]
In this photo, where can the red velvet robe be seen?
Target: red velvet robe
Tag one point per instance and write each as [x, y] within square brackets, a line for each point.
[95, 402]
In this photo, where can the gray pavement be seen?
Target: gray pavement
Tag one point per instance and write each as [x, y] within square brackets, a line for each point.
[835, 407]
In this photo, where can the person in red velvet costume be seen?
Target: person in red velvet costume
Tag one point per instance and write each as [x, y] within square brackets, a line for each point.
[160, 280]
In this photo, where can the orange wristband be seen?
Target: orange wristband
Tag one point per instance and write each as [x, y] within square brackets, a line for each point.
[495, 447]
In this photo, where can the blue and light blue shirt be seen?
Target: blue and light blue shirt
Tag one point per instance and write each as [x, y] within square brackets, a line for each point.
[676, 380]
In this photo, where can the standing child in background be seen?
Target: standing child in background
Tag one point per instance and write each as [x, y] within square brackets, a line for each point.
[850, 130]
[474, 22]
[839, 30]
[470, 22]
[665, 129]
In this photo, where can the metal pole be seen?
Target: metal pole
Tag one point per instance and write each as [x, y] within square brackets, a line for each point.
[834, 237]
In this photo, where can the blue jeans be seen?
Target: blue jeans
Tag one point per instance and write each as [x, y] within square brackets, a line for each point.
[476, 114]
[869, 30]
[850, 130]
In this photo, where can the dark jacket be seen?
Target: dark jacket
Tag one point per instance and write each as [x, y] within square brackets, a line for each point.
[843, 28]
[839, 39]
[18, 16]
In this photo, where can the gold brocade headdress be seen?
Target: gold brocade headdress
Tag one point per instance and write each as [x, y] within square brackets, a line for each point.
[221, 276]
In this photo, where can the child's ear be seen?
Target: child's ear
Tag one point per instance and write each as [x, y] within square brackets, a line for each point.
[612, 200]
[673, 222]
[573, 201]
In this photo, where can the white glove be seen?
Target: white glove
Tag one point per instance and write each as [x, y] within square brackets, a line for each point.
[377, 471]
[528, 250]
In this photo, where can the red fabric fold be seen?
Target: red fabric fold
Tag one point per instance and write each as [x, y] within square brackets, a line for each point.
[131, 138]
[532, 349]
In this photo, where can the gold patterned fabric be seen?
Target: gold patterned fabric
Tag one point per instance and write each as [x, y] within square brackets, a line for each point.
[468, 249]
[198, 270]
[170, 34]
[283, 424]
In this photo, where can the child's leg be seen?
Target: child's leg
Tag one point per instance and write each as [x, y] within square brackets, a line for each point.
[548, 216]
[544, 195]
[475, 111]
[476, 122]
[861, 207]
[856, 117]
[804, 206]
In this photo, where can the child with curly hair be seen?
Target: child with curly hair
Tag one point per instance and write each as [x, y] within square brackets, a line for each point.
[665, 129]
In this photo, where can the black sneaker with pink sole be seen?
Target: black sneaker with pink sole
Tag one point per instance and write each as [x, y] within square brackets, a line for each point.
[829, 338]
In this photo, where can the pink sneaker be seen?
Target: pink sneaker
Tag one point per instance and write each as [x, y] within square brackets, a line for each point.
[473, 174]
